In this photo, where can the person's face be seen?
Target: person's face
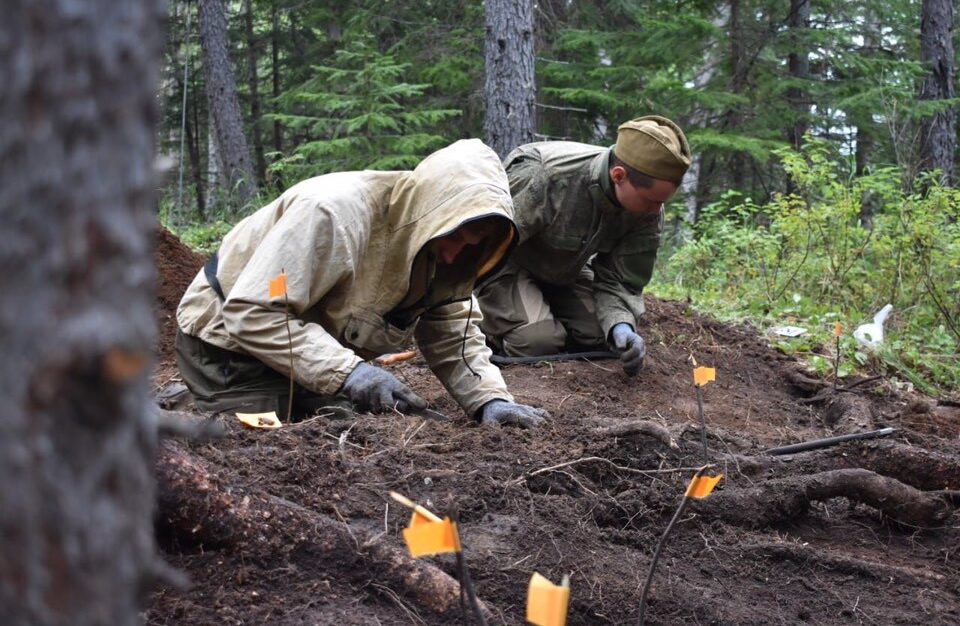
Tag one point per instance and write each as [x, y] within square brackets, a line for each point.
[448, 248]
[641, 200]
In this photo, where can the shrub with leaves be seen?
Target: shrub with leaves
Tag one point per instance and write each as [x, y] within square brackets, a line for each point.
[807, 259]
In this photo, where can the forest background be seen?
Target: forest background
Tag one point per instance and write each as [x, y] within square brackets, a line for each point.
[824, 135]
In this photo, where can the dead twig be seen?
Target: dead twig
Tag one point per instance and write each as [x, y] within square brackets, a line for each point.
[597, 459]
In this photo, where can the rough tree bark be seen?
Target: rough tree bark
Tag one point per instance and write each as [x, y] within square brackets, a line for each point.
[236, 173]
[510, 89]
[253, 81]
[938, 133]
[76, 171]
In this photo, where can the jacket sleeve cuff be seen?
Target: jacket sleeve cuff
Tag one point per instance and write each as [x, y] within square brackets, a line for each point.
[610, 319]
[329, 381]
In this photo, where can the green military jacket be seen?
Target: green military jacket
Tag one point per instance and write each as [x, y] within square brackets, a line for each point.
[567, 214]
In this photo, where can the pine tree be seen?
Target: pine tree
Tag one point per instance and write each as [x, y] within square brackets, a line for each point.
[358, 112]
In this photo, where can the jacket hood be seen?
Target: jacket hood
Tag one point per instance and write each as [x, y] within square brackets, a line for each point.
[453, 186]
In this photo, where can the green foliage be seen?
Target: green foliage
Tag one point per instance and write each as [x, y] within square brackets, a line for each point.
[357, 113]
[805, 259]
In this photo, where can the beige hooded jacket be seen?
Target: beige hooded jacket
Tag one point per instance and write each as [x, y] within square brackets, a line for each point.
[361, 278]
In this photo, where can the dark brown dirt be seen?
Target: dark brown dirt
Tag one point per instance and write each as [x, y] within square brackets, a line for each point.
[840, 563]
[177, 265]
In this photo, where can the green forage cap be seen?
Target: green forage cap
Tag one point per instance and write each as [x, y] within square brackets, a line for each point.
[655, 146]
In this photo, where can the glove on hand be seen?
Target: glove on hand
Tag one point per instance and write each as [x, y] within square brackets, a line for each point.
[500, 412]
[375, 390]
[631, 347]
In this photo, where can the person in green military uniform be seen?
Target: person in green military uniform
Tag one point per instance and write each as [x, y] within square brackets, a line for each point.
[590, 220]
[373, 261]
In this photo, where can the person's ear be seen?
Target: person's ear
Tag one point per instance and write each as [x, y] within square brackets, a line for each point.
[617, 174]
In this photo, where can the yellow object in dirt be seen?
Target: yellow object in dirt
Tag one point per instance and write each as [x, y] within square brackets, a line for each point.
[260, 420]
[701, 486]
[278, 286]
[703, 375]
[547, 603]
[837, 329]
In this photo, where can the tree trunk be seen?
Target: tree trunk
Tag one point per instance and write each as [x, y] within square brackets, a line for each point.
[198, 178]
[275, 60]
[799, 64]
[214, 169]
[938, 133]
[255, 112]
[194, 153]
[236, 174]
[734, 118]
[510, 90]
[79, 109]
[189, 129]
[691, 181]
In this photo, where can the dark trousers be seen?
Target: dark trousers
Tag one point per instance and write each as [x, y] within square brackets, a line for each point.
[222, 380]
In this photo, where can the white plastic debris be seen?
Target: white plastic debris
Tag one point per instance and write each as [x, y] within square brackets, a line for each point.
[788, 331]
[870, 335]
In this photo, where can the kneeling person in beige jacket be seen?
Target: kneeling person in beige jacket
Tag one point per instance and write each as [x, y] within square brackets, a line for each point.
[373, 260]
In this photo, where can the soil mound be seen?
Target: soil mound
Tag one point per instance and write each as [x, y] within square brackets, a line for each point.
[285, 526]
[177, 265]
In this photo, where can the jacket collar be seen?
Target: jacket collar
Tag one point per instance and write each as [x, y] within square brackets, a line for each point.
[600, 177]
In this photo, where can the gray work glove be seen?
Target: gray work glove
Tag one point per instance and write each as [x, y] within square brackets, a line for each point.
[375, 390]
[631, 347]
[501, 412]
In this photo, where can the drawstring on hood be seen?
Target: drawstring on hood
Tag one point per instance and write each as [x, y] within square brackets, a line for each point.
[463, 342]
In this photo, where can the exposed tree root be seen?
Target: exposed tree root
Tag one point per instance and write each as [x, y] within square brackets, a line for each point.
[780, 500]
[807, 555]
[194, 506]
[803, 382]
[924, 469]
[638, 427]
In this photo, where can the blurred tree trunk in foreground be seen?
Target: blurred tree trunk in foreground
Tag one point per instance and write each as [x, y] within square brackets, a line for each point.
[79, 108]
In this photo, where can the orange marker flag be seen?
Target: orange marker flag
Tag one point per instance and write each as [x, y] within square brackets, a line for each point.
[426, 537]
[547, 603]
[278, 286]
[837, 329]
[701, 486]
[703, 375]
